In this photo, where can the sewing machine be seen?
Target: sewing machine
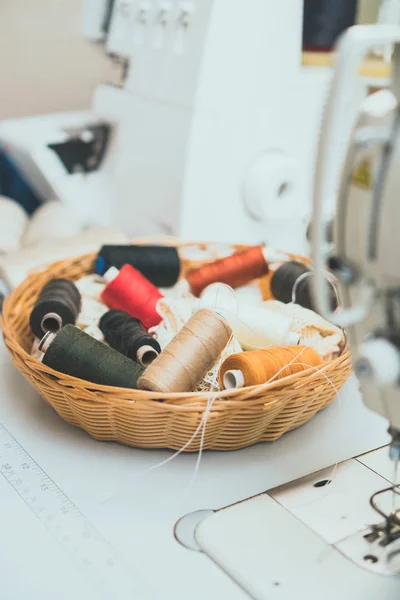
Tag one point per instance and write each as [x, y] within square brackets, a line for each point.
[216, 101]
[345, 542]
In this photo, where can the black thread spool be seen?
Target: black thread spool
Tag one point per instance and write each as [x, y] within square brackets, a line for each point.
[160, 264]
[128, 336]
[74, 352]
[58, 304]
[293, 280]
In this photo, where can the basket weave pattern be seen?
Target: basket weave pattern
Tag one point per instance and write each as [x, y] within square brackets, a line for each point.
[238, 418]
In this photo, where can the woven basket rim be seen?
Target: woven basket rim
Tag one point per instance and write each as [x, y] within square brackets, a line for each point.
[144, 396]
[10, 306]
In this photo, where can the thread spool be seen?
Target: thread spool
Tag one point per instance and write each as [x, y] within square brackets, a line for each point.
[314, 331]
[159, 264]
[13, 221]
[175, 313]
[74, 352]
[236, 270]
[254, 326]
[127, 335]
[15, 267]
[50, 223]
[58, 304]
[260, 366]
[189, 356]
[292, 281]
[128, 290]
[269, 187]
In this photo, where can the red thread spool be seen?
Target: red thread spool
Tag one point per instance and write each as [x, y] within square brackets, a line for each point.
[128, 290]
[236, 270]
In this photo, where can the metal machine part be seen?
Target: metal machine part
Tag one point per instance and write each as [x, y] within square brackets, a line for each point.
[324, 545]
[366, 241]
[368, 535]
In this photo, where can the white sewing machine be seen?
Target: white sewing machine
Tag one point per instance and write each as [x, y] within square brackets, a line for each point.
[215, 100]
[296, 540]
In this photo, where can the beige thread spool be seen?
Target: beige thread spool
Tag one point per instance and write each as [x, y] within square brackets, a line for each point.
[188, 357]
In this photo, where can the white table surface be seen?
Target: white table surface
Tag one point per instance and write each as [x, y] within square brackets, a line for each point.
[136, 509]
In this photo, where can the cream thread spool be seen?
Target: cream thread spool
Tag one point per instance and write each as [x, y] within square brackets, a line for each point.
[254, 326]
[13, 222]
[314, 331]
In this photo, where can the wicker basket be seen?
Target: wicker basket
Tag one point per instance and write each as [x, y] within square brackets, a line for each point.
[237, 418]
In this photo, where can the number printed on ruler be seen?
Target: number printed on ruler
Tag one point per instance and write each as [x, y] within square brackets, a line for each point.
[88, 550]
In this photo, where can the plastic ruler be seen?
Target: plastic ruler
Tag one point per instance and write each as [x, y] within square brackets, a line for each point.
[91, 553]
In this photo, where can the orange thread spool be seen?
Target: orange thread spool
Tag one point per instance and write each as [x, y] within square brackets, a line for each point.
[260, 366]
[236, 270]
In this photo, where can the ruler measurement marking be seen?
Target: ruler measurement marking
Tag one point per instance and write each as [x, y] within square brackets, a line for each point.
[67, 525]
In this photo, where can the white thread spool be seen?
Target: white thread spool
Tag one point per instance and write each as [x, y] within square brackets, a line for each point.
[49, 224]
[254, 326]
[13, 221]
[270, 191]
[15, 267]
[257, 328]
[269, 186]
